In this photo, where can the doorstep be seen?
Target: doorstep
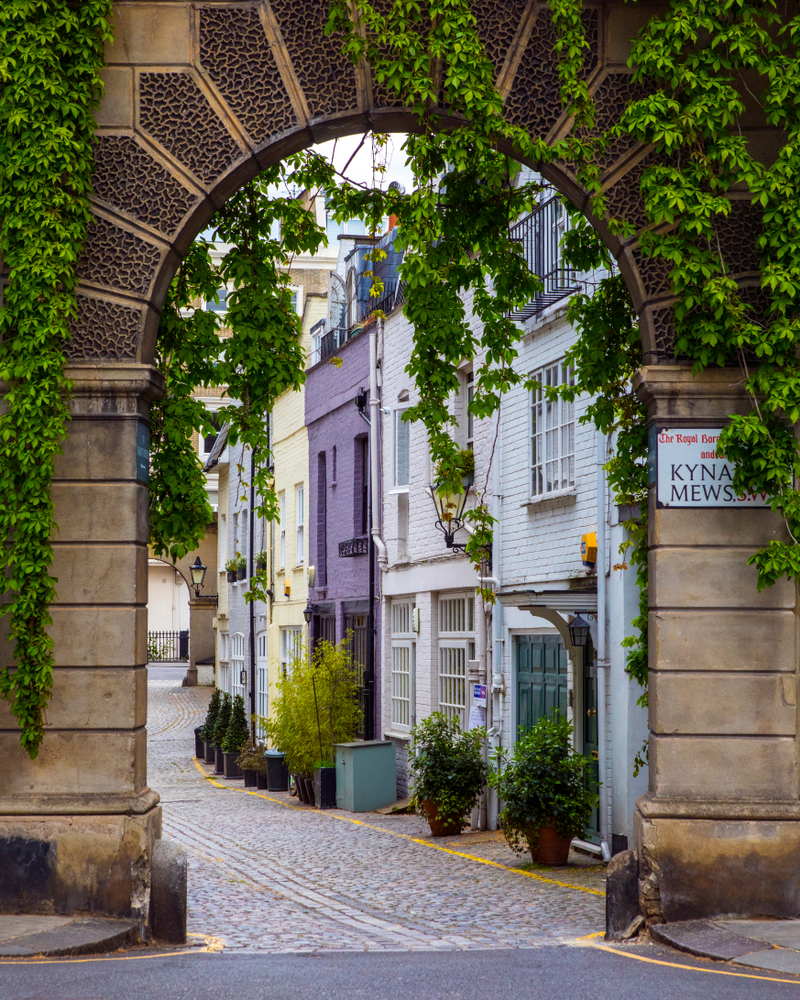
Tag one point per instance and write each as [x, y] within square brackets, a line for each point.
[773, 945]
[23, 935]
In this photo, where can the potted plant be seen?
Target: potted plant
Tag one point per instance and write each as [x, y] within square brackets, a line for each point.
[544, 787]
[220, 729]
[237, 733]
[316, 706]
[241, 567]
[261, 561]
[230, 569]
[208, 726]
[251, 757]
[449, 771]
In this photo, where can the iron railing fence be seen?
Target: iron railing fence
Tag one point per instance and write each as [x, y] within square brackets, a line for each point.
[540, 235]
[167, 647]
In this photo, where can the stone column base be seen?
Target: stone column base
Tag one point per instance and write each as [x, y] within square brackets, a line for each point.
[707, 859]
[90, 862]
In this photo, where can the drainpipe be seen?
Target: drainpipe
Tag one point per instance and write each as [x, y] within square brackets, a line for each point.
[377, 547]
[497, 689]
[252, 603]
[602, 661]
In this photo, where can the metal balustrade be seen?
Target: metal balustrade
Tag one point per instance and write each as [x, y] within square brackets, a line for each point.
[167, 647]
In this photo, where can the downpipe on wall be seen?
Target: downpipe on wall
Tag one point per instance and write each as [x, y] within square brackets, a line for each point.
[377, 547]
[602, 661]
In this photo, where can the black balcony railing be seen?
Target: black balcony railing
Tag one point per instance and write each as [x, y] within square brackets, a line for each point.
[167, 647]
[354, 547]
[540, 235]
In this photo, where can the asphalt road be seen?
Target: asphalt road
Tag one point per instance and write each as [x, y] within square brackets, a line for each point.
[547, 973]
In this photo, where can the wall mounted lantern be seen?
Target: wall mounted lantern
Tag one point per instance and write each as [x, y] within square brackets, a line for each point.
[308, 612]
[579, 630]
[450, 512]
[198, 574]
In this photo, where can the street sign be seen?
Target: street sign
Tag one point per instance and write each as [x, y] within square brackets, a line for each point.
[688, 473]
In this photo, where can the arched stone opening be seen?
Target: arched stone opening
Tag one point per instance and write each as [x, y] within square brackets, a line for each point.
[200, 96]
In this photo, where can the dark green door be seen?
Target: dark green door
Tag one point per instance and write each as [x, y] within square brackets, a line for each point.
[541, 663]
[590, 744]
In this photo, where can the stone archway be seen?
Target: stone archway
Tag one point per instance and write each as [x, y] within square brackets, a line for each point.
[199, 97]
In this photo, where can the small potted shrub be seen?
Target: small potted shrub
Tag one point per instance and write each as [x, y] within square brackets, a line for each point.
[251, 757]
[237, 733]
[261, 561]
[208, 726]
[241, 567]
[543, 785]
[220, 730]
[449, 772]
[230, 569]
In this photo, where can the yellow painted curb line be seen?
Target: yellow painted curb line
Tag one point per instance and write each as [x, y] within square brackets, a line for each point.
[678, 965]
[404, 836]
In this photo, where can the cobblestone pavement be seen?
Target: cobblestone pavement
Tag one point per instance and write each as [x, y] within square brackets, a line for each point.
[268, 874]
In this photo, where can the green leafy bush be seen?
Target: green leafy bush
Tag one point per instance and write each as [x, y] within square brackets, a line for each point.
[238, 731]
[251, 757]
[543, 783]
[448, 767]
[316, 706]
[207, 732]
[222, 720]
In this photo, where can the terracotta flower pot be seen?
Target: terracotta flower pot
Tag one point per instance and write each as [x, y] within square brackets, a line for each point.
[439, 827]
[548, 847]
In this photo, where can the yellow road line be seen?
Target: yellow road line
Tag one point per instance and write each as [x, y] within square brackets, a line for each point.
[678, 965]
[208, 950]
[406, 836]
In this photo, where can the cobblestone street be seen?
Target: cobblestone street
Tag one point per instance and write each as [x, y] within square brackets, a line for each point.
[267, 874]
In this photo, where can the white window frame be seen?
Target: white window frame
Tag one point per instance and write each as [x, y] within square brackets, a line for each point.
[262, 678]
[299, 540]
[401, 427]
[237, 665]
[403, 666]
[551, 446]
[456, 620]
[224, 673]
[282, 529]
[291, 646]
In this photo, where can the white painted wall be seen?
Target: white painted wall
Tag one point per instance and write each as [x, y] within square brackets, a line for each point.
[168, 599]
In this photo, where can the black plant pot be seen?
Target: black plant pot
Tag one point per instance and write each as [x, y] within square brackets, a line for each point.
[309, 783]
[261, 779]
[325, 787]
[199, 743]
[277, 771]
[232, 769]
[249, 777]
[219, 761]
[300, 787]
[210, 752]
[231, 575]
[241, 574]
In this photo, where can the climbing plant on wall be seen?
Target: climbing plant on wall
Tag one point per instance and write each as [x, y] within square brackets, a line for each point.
[50, 55]
[707, 67]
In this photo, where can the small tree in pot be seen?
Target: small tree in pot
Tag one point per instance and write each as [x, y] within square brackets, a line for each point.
[543, 784]
[207, 731]
[237, 733]
[449, 771]
[220, 730]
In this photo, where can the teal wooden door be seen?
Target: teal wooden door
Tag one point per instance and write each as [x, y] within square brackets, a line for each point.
[590, 742]
[541, 665]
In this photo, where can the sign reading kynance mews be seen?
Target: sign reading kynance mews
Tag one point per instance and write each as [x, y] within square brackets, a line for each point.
[690, 475]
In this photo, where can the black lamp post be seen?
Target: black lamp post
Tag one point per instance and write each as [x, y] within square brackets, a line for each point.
[579, 630]
[449, 513]
[198, 574]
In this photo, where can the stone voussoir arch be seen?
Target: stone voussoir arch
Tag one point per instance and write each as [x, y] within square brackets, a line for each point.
[200, 96]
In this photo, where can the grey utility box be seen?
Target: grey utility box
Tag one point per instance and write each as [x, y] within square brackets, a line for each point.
[366, 775]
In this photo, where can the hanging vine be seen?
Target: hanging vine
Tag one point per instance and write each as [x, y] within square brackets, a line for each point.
[706, 65]
[50, 54]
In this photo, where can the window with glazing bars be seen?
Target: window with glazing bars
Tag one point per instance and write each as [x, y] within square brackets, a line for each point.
[262, 679]
[552, 433]
[456, 620]
[403, 652]
[237, 665]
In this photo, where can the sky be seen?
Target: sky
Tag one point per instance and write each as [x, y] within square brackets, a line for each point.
[361, 168]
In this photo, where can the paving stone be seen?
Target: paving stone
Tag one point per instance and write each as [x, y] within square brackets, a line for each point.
[785, 933]
[267, 874]
[774, 960]
[702, 937]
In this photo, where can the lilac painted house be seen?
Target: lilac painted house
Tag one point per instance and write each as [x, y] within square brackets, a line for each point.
[345, 597]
